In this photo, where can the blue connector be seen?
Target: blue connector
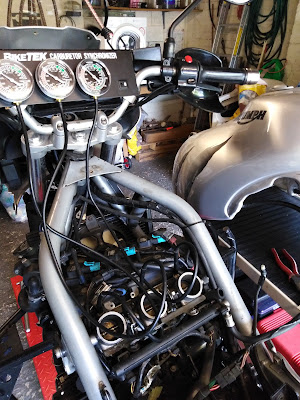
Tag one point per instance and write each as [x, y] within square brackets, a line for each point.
[159, 239]
[121, 290]
[130, 251]
[93, 265]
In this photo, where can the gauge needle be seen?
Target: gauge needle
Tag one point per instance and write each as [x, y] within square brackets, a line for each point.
[10, 79]
[93, 76]
[54, 77]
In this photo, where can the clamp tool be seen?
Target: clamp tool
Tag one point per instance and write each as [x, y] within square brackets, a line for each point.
[293, 273]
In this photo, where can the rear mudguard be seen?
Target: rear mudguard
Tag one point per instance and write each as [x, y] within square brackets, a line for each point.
[215, 170]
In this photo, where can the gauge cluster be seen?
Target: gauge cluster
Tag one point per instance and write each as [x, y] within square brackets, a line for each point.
[37, 77]
[16, 81]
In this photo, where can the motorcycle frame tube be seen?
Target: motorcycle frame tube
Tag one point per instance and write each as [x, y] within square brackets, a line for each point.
[38, 179]
[144, 73]
[78, 342]
[203, 240]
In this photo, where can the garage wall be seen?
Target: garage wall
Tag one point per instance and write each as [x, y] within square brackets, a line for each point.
[195, 31]
[292, 71]
[62, 7]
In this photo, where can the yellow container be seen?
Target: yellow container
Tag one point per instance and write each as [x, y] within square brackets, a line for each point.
[248, 93]
[132, 143]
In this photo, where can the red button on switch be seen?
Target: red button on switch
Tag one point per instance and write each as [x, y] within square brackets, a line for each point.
[188, 59]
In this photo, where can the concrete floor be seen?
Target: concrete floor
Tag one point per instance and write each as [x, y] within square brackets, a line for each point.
[12, 234]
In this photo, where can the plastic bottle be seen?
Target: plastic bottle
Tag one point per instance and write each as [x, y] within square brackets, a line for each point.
[169, 4]
[7, 200]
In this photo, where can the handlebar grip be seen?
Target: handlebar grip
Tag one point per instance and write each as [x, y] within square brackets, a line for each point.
[229, 75]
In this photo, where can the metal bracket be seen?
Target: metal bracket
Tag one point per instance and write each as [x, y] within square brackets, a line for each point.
[273, 291]
[77, 170]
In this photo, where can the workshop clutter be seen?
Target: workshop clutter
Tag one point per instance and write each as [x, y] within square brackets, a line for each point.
[159, 141]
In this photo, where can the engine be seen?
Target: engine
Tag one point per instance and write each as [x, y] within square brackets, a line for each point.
[154, 320]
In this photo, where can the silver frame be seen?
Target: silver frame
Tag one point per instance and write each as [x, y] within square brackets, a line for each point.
[79, 345]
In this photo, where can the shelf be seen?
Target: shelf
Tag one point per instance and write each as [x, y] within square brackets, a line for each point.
[137, 9]
[144, 9]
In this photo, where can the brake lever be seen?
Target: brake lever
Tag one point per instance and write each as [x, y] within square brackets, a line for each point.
[205, 86]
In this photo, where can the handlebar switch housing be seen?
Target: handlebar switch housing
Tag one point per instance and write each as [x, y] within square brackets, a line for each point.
[188, 73]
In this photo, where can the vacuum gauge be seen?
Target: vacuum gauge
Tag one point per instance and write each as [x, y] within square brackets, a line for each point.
[55, 79]
[16, 81]
[93, 77]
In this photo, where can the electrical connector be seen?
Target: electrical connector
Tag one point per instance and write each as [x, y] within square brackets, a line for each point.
[228, 375]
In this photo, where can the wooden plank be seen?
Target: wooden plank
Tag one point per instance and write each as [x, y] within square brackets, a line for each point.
[125, 149]
[181, 132]
[160, 145]
[146, 155]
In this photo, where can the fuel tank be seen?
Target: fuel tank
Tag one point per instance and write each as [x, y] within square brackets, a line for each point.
[217, 169]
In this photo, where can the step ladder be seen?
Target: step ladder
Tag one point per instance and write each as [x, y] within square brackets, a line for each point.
[223, 27]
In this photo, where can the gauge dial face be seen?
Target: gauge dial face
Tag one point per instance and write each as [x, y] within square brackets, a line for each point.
[93, 77]
[55, 79]
[16, 81]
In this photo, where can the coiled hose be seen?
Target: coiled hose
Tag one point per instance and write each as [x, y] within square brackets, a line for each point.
[257, 32]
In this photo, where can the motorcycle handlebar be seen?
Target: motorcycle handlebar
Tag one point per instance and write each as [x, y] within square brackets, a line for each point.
[228, 75]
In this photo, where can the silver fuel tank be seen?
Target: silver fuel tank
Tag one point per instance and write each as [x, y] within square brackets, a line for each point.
[215, 170]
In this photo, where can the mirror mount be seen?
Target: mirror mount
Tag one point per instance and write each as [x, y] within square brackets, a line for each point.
[169, 45]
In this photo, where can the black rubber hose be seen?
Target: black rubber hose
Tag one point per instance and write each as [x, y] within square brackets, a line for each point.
[259, 286]
[207, 365]
[47, 228]
[138, 384]
[265, 336]
[208, 361]
[195, 272]
[105, 13]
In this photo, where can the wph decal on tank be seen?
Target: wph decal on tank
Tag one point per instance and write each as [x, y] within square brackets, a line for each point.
[250, 116]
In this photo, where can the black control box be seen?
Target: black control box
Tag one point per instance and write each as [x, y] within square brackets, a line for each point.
[119, 64]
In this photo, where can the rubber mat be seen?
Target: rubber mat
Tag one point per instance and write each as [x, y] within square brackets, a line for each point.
[267, 222]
